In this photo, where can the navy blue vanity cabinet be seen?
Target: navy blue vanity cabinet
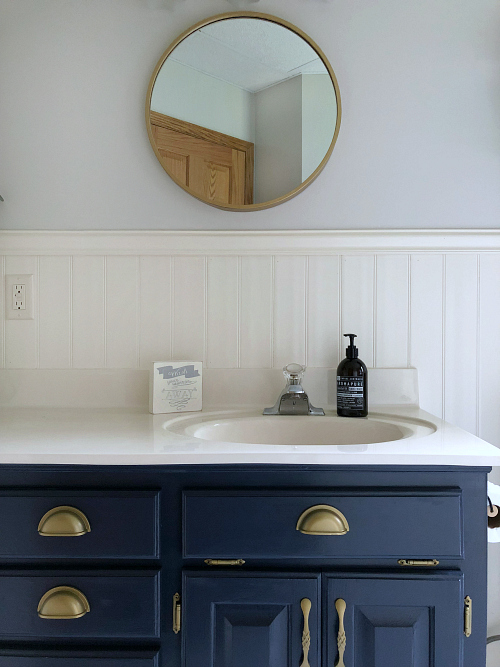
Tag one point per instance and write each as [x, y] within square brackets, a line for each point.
[217, 565]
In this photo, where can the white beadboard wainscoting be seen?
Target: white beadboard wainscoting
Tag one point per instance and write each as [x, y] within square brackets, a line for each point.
[109, 303]
[258, 300]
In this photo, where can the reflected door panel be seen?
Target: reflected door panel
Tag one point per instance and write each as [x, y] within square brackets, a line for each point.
[212, 165]
[176, 164]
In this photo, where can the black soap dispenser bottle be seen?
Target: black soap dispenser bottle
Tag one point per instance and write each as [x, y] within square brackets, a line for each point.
[352, 384]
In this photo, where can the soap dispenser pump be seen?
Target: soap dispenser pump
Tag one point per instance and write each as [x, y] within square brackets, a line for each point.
[352, 383]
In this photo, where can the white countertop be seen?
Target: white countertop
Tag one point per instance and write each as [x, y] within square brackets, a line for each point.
[135, 437]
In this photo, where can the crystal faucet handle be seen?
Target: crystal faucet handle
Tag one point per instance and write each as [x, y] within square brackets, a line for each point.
[294, 372]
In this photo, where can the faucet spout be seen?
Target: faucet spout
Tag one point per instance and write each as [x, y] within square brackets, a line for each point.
[293, 400]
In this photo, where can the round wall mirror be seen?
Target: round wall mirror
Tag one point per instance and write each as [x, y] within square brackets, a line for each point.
[243, 111]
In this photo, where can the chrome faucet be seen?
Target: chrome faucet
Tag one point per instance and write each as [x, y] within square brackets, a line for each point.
[293, 400]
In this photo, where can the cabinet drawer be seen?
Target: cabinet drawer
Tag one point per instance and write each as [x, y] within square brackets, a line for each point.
[396, 523]
[51, 661]
[120, 607]
[122, 525]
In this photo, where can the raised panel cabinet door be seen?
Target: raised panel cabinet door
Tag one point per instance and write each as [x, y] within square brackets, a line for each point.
[395, 621]
[250, 620]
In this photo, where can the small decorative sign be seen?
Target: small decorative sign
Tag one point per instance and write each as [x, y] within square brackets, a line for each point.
[175, 386]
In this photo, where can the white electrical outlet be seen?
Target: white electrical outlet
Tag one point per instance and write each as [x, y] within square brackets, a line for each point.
[19, 297]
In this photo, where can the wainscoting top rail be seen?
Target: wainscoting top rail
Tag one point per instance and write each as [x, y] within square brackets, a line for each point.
[321, 242]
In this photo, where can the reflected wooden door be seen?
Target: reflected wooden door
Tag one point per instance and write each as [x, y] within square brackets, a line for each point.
[216, 167]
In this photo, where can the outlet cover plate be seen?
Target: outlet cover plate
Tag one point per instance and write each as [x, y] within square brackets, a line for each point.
[19, 279]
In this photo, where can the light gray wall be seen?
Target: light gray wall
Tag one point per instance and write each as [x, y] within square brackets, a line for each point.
[319, 111]
[278, 139]
[196, 97]
[418, 145]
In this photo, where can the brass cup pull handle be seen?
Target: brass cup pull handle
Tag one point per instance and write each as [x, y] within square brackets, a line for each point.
[322, 520]
[63, 521]
[340, 606]
[63, 602]
[305, 605]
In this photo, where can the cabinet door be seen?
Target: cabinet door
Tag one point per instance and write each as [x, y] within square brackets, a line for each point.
[395, 621]
[249, 620]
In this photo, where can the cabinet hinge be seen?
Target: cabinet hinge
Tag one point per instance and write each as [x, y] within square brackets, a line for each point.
[176, 613]
[467, 616]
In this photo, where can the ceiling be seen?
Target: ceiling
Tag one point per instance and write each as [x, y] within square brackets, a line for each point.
[249, 53]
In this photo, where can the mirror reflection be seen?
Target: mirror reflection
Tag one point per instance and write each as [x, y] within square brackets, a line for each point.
[243, 112]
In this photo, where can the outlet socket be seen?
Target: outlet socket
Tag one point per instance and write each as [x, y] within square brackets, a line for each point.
[19, 297]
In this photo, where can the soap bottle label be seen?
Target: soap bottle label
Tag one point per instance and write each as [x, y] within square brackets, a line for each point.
[350, 392]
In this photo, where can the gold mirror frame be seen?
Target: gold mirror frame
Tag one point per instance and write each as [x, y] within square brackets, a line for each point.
[297, 31]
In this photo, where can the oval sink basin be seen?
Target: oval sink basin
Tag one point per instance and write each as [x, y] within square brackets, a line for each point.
[257, 429]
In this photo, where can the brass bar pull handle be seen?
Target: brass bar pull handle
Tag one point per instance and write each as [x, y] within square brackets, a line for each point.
[418, 563]
[221, 561]
[63, 521]
[340, 606]
[305, 605]
[63, 602]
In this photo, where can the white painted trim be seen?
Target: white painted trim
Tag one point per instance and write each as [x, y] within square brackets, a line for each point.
[246, 242]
